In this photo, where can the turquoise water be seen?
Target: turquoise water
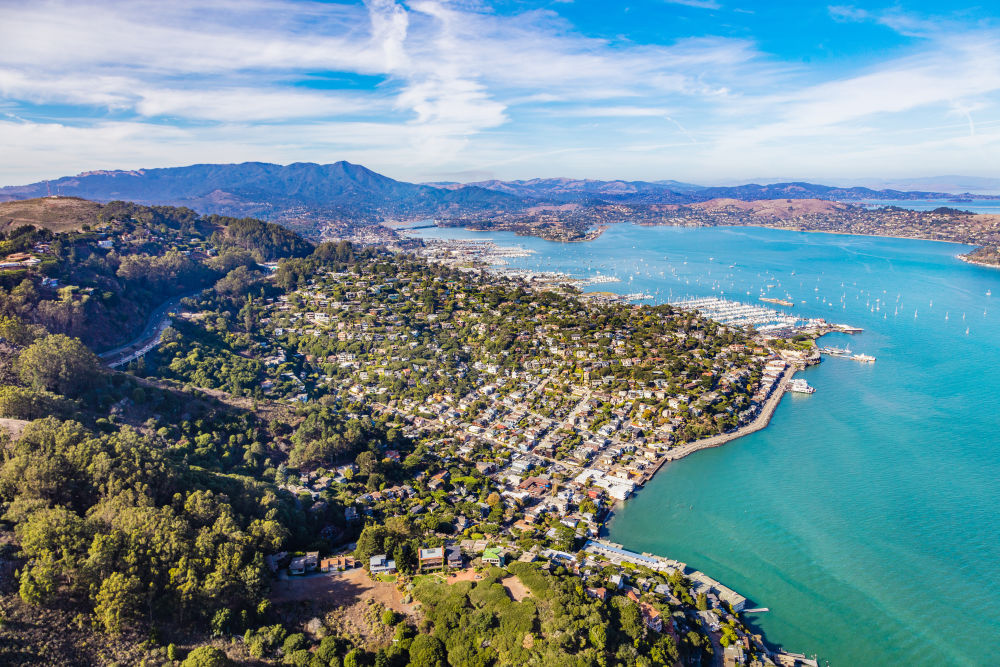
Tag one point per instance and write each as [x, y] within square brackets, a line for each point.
[865, 516]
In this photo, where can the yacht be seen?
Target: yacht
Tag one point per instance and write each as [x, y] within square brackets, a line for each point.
[800, 386]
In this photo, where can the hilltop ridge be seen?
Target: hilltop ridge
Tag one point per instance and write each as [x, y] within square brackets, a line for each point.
[346, 191]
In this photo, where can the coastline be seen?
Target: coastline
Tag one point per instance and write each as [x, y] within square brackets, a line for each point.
[985, 265]
[759, 423]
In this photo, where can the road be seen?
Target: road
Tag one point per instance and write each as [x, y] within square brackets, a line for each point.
[707, 619]
[150, 336]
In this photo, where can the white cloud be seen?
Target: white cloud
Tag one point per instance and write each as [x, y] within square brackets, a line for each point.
[432, 86]
[699, 4]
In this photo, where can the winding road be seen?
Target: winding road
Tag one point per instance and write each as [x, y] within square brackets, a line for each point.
[158, 320]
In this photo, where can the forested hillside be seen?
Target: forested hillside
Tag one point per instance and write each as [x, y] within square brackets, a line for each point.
[100, 281]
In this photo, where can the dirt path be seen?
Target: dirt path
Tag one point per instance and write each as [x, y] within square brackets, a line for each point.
[13, 426]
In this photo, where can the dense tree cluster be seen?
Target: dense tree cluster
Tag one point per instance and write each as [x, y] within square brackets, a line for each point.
[114, 519]
[264, 240]
[99, 284]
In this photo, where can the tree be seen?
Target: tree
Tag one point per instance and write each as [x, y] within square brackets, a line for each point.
[367, 463]
[427, 651]
[118, 602]
[206, 656]
[23, 403]
[599, 636]
[353, 658]
[702, 602]
[293, 643]
[58, 363]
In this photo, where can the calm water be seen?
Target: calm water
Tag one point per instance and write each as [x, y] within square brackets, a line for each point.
[865, 516]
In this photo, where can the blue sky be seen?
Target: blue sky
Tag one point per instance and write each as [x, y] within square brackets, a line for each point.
[705, 91]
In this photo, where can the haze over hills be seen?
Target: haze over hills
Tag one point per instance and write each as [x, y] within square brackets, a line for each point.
[573, 190]
[947, 183]
[676, 192]
[342, 190]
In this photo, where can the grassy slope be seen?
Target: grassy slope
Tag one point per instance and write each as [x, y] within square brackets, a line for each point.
[59, 214]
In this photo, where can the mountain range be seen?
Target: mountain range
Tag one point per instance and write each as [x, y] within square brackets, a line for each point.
[268, 190]
[352, 192]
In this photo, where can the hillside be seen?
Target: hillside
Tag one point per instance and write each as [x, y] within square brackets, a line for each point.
[268, 191]
[568, 190]
[772, 208]
[310, 197]
[105, 268]
[57, 214]
[799, 190]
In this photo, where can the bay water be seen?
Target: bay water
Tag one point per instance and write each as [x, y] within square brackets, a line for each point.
[865, 517]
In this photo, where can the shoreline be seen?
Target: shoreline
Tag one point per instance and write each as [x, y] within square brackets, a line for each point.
[760, 422]
[967, 260]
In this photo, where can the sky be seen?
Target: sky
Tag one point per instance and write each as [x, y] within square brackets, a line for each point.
[701, 91]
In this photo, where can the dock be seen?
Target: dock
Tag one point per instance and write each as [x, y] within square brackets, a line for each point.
[784, 659]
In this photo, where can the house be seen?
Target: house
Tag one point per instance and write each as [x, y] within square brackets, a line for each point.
[430, 559]
[336, 563]
[380, 565]
[493, 556]
[535, 486]
[297, 566]
[438, 480]
[733, 655]
[597, 593]
[453, 555]
[272, 560]
[651, 617]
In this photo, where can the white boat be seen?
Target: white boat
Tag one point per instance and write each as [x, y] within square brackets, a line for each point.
[800, 386]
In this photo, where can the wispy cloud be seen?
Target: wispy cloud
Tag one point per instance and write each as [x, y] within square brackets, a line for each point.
[431, 86]
[700, 4]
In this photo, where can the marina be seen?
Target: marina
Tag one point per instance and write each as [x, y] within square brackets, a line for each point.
[764, 320]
